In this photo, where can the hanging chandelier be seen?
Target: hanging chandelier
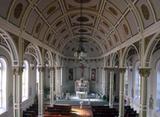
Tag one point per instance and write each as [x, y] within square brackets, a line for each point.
[80, 52]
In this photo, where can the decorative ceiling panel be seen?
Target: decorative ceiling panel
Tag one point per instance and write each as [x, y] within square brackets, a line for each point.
[48, 37]
[59, 24]
[105, 26]
[43, 31]
[54, 16]
[156, 4]
[85, 19]
[38, 27]
[120, 4]
[85, 30]
[18, 12]
[41, 4]
[124, 30]
[105, 23]
[109, 16]
[132, 23]
[113, 10]
[50, 9]
[145, 12]
[32, 19]
[4, 7]
[115, 39]
[88, 4]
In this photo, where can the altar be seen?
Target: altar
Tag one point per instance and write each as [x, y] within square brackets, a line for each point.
[81, 88]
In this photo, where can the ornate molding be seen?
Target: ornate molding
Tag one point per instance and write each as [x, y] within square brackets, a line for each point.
[144, 72]
[122, 70]
[17, 69]
[41, 68]
[51, 68]
[58, 68]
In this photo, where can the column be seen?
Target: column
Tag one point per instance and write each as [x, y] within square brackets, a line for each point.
[103, 81]
[106, 82]
[58, 82]
[40, 91]
[111, 79]
[52, 77]
[17, 95]
[144, 73]
[121, 92]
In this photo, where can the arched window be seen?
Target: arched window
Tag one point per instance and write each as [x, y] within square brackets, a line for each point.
[37, 78]
[3, 77]
[137, 82]
[126, 83]
[158, 87]
[25, 77]
[37, 75]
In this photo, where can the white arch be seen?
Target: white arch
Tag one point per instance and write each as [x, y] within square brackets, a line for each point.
[126, 51]
[37, 53]
[12, 48]
[150, 48]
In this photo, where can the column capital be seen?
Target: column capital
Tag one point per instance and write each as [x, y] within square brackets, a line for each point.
[144, 72]
[122, 69]
[58, 67]
[109, 68]
[17, 69]
[51, 68]
[41, 68]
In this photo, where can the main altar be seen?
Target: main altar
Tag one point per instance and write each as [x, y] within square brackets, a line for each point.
[81, 88]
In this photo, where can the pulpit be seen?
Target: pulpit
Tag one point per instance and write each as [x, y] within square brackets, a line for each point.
[81, 88]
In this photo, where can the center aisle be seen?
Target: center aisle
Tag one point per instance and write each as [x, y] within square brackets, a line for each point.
[76, 111]
[85, 111]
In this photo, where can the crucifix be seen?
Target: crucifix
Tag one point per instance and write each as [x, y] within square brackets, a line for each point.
[82, 69]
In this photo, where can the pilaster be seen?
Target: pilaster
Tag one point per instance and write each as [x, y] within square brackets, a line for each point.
[144, 73]
[17, 89]
[52, 84]
[121, 92]
[40, 91]
[111, 80]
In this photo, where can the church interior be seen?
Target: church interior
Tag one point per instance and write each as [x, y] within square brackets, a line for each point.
[79, 58]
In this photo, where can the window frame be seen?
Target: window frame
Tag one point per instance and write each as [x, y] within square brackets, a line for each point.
[158, 79]
[25, 81]
[3, 84]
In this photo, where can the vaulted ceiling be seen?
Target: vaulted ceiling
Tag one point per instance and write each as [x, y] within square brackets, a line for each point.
[105, 23]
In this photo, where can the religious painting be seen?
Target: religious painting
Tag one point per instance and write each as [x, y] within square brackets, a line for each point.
[93, 74]
[70, 76]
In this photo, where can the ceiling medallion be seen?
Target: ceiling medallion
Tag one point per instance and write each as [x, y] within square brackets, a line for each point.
[82, 19]
[82, 30]
[113, 11]
[145, 11]
[82, 1]
[18, 10]
[50, 10]
[38, 27]
[125, 29]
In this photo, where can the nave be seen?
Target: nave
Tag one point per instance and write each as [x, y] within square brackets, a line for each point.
[51, 50]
